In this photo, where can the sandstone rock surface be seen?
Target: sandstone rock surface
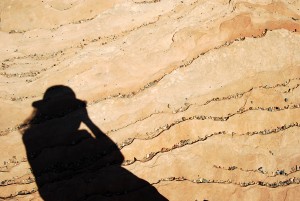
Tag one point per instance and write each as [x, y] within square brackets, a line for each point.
[197, 100]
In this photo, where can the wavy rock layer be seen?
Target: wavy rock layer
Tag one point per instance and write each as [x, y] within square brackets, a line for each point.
[199, 96]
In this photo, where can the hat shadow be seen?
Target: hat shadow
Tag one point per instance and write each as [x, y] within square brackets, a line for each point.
[68, 163]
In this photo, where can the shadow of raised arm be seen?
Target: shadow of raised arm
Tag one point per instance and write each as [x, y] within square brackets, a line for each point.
[95, 130]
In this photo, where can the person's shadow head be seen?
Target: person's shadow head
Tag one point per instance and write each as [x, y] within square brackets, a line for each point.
[70, 163]
[58, 101]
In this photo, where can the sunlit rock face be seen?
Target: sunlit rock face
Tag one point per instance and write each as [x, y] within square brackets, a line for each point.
[149, 100]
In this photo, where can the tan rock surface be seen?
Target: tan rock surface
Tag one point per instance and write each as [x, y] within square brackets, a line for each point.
[199, 98]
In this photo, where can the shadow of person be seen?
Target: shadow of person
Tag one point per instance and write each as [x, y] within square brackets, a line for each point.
[69, 163]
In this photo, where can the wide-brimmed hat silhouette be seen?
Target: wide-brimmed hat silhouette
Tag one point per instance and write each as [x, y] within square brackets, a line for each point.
[58, 100]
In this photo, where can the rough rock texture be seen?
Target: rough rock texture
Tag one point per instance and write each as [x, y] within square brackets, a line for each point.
[196, 100]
